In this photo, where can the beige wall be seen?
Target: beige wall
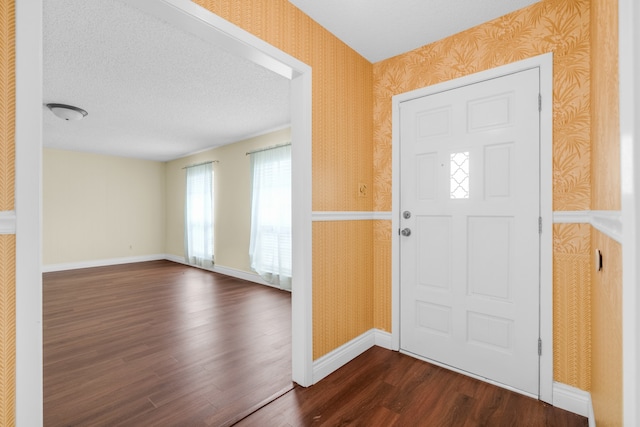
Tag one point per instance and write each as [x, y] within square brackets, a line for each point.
[232, 189]
[98, 207]
[101, 207]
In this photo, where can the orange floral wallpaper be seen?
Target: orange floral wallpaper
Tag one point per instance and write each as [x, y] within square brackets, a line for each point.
[346, 276]
[7, 242]
[572, 304]
[342, 97]
[605, 128]
[352, 144]
[7, 116]
[606, 287]
[7, 329]
[558, 26]
[382, 275]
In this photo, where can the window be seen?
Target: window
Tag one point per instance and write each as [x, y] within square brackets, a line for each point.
[270, 245]
[198, 216]
[460, 175]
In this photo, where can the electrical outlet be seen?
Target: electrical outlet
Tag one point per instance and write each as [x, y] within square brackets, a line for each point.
[362, 190]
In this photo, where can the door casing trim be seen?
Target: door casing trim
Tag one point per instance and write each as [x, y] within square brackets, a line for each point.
[545, 64]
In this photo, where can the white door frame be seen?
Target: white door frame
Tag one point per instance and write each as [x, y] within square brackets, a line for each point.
[629, 68]
[192, 18]
[545, 63]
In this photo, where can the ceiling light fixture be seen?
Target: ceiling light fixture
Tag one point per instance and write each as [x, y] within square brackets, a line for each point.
[67, 112]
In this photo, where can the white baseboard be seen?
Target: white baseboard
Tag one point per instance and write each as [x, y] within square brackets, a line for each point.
[342, 355]
[574, 400]
[239, 274]
[100, 262]
[227, 271]
[383, 339]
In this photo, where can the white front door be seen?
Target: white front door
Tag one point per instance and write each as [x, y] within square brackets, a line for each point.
[470, 197]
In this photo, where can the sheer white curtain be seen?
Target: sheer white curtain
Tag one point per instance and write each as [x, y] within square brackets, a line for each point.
[198, 216]
[270, 245]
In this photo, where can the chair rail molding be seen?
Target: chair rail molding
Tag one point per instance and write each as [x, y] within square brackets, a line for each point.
[607, 222]
[351, 216]
[7, 222]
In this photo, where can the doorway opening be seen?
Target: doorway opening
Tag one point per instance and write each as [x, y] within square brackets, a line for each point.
[208, 26]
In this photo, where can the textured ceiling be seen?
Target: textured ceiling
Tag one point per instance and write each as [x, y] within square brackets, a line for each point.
[157, 92]
[151, 90]
[380, 29]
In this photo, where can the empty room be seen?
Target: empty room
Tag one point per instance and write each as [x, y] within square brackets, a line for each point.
[178, 164]
[459, 178]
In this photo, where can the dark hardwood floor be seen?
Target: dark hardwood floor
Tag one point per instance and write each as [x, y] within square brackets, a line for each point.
[159, 344]
[162, 344]
[385, 388]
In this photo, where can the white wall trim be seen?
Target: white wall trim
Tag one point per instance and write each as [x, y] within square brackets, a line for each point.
[100, 262]
[227, 271]
[350, 216]
[546, 238]
[383, 339]
[545, 64]
[7, 222]
[629, 69]
[571, 217]
[302, 237]
[239, 274]
[574, 400]
[607, 222]
[28, 207]
[342, 355]
[592, 416]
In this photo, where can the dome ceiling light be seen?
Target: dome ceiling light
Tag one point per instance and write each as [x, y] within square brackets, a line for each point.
[67, 112]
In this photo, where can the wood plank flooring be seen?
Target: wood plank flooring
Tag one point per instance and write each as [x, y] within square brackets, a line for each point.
[385, 388]
[162, 344]
[159, 344]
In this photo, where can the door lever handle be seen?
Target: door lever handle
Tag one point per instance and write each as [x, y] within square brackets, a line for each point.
[406, 232]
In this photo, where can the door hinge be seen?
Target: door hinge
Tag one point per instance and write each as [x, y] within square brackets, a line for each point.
[539, 102]
[539, 225]
[539, 347]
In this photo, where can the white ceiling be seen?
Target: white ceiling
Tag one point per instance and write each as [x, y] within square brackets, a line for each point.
[380, 29]
[152, 91]
[156, 92]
